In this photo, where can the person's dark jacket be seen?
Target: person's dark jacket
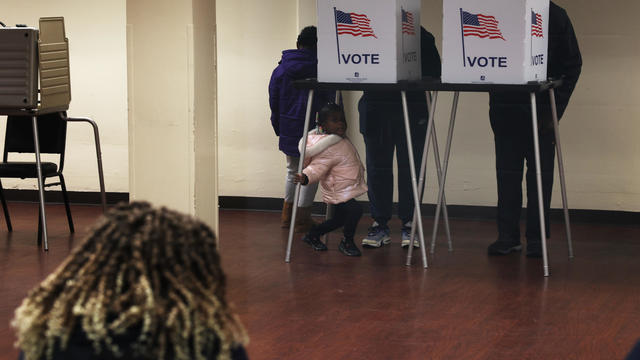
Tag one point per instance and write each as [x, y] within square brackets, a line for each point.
[81, 348]
[564, 61]
[378, 106]
[288, 104]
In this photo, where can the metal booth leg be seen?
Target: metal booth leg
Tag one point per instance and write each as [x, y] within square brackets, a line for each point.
[536, 146]
[296, 197]
[423, 170]
[330, 209]
[442, 203]
[43, 217]
[96, 135]
[563, 185]
[414, 185]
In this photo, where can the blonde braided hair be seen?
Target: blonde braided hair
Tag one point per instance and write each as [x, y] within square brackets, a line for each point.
[153, 272]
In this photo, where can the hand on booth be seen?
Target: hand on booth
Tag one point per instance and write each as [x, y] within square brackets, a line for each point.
[301, 179]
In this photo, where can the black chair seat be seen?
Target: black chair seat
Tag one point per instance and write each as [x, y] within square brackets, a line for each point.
[19, 169]
[18, 138]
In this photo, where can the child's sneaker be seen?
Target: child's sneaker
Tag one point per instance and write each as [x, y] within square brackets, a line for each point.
[315, 242]
[377, 236]
[406, 236]
[349, 248]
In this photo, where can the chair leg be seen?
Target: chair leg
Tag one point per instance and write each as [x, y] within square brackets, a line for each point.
[39, 227]
[44, 180]
[66, 203]
[5, 208]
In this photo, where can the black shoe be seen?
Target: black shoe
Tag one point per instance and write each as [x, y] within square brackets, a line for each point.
[534, 249]
[349, 248]
[315, 242]
[504, 247]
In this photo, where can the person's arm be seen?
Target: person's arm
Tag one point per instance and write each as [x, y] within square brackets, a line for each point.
[274, 102]
[319, 166]
[431, 65]
[571, 62]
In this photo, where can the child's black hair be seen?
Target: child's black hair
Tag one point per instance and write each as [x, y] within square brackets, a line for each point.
[308, 38]
[327, 110]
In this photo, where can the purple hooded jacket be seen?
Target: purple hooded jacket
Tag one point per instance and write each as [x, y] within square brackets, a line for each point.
[288, 104]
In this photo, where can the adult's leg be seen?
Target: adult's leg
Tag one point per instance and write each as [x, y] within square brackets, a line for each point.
[289, 192]
[508, 136]
[289, 185]
[418, 132]
[547, 154]
[379, 152]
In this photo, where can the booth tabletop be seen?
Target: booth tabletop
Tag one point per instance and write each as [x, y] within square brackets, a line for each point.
[428, 84]
[32, 112]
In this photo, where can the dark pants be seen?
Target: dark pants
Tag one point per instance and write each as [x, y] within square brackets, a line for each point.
[380, 142]
[345, 214]
[514, 145]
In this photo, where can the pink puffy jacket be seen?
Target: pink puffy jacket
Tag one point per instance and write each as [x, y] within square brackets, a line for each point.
[334, 162]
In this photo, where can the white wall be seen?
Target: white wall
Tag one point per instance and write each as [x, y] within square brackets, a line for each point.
[599, 130]
[251, 35]
[97, 42]
[172, 104]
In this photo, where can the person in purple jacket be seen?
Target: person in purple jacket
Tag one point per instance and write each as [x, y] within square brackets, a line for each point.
[288, 109]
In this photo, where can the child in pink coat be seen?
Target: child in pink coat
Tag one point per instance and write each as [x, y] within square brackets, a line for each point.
[332, 160]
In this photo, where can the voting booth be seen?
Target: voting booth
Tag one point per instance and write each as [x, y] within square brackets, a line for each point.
[367, 41]
[34, 81]
[368, 45]
[488, 46]
[34, 68]
[495, 41]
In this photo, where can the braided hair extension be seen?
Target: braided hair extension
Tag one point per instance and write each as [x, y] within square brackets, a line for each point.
[152, 272]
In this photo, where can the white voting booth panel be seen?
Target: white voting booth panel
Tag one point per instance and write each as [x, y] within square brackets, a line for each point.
[495, 41]
[368, 41]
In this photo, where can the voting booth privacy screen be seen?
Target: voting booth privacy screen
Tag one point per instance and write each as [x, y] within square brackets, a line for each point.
[18, 67]
[34, 67]
[495, 41]
[368, 41]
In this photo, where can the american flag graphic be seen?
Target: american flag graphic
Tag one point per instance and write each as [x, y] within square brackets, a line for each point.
[483, 26]
[407, 23]
[353, 24]
[536, 24]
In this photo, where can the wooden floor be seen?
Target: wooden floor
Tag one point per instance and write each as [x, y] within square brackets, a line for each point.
[328, 306]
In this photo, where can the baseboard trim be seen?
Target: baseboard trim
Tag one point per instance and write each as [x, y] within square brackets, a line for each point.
[455, 211]
[275, 204]
[55, 196]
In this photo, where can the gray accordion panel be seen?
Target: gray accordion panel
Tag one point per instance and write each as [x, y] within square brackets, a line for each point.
[55, 83]
[18, 68]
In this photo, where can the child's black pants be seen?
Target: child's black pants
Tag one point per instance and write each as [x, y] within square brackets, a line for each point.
[346, 214]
